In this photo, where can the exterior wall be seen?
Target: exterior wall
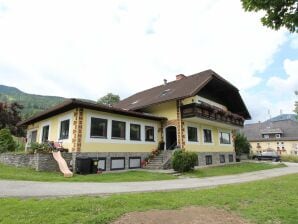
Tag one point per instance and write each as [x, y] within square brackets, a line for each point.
[195, 99]
[108, 155]
[215, 158]
[290, 147]
[54, 130]
[200, 146]
[38, 161]
[118, 145]
[168, 110]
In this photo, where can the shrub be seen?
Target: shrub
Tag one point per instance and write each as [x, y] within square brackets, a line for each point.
[7, 144]
[289, 158]
[40, 148]
[184, 161]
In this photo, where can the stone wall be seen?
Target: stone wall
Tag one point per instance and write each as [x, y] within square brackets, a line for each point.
[215, 158]
[38, 161]
[109, 155]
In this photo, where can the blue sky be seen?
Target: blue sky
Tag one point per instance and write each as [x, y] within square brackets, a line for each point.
[86, 49]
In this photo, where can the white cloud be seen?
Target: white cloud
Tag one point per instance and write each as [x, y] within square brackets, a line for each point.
[290, 83]
[88, 48]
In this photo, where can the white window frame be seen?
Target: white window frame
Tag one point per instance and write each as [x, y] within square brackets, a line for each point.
[63, 118]
[212, 136]
[48, 123]
[127, 121]
[228, 132]
[198, 133]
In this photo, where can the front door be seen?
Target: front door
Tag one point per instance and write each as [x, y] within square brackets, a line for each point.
[171, 138]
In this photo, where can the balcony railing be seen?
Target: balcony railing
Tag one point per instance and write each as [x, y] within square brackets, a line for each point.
[209, 112]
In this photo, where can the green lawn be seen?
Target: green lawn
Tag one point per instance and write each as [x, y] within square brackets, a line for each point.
[267, 201]
[232, 169]
[14, 173]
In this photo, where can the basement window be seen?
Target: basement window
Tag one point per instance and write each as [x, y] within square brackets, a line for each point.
[208, 160]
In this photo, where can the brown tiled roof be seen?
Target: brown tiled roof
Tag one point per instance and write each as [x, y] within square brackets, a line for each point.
[76, 103]
[289, 129]
[179, 89]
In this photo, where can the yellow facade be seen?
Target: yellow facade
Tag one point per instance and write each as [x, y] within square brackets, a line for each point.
[168, 110]
[290, 147]
[80, 141]
[200, 146]
[54, 124]
[117, 145]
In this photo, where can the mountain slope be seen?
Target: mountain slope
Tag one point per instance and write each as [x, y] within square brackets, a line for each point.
[32, 103]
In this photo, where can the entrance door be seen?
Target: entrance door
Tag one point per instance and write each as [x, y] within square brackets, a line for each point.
[171, 138]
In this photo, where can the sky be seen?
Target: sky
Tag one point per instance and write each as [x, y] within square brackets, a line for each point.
[86, 49]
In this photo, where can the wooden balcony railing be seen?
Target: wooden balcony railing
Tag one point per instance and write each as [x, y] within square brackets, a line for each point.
[209, 112]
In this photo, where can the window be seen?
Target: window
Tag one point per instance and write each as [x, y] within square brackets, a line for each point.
[192, 133]
[64, 129]
[117, 163]
[265, 136]
[33, 136]
[208, 160]
[225, 138]
[98, 128]
[149, 133]
[118, 129]
[277, 135]
[207, 136]
[231, 158]
[135, 132]
[45, 133]
[134, 162]
[222, 159]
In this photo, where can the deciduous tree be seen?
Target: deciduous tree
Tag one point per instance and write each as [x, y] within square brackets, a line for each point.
[279, 13]
[109, 99]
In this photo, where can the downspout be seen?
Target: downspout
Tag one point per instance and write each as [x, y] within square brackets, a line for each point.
[180, 124]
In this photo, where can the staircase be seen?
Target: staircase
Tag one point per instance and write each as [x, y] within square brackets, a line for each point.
[160, 161]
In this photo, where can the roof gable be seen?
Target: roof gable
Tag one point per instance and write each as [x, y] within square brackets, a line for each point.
[179, 89]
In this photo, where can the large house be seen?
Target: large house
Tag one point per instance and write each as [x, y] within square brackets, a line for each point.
[197, 113]
[279, 134]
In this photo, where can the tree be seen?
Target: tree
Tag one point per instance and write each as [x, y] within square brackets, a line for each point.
[109, 99]
[10, 116]
[7, 144]
[279, 13]
[242, 145]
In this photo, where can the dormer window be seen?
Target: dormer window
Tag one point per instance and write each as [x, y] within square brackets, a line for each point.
[165, 92]
[135, 102]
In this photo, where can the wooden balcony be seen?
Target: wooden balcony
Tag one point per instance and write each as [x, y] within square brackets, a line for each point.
[212, 113]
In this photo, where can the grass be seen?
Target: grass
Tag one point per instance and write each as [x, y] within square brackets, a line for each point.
[289, 158]
[21, 173]
[268, 201]
[232, 169]
[14, 173]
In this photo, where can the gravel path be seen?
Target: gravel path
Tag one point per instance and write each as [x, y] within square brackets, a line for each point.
[54, 189]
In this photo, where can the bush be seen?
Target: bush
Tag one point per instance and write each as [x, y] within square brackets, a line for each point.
[289, 158]
[40, 148]
[184, 161]
[7, 144]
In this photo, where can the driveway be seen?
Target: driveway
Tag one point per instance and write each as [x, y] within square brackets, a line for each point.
[54, 189]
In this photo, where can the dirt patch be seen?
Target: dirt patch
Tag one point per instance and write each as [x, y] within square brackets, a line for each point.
[190, 215]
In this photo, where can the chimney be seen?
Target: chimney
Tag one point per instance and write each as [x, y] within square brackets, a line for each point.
[165, 82]
[180, 76]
